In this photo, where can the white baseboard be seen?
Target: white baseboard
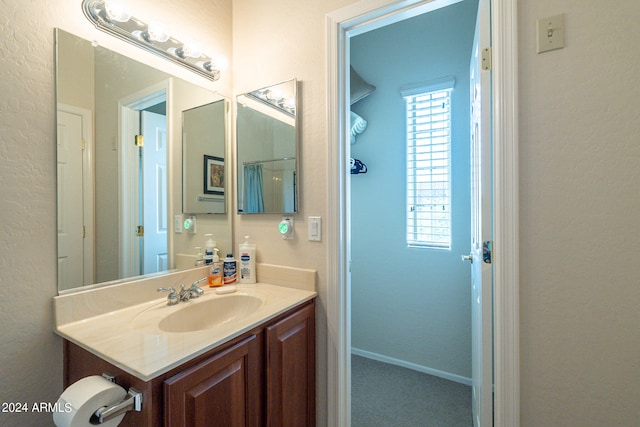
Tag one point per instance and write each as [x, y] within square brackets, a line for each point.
[409, 365]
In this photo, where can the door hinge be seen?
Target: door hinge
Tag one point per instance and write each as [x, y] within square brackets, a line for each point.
[140, 231]
[486, 58]
[84, 144]
[139, 141]
[84, 232]
[487, 251]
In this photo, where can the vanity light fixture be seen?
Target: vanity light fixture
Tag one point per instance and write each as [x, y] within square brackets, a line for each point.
[275, 99]
[114, 19]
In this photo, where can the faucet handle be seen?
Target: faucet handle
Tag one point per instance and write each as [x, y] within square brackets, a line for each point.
[173, 298]
[195, 289]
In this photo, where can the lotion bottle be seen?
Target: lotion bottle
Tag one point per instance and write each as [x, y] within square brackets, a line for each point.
[216, 271]
[247, 262]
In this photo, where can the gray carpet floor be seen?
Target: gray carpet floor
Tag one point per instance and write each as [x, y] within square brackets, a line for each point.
[384, 395]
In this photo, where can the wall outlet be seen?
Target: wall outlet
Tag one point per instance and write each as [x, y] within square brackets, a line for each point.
[286, 227]
[190, 224]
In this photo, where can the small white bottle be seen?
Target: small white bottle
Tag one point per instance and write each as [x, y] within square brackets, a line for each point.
[199, 257]
[208, 250]
[230, 272]
[247, 262]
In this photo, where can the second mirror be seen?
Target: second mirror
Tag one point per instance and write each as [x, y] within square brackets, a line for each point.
[267, 147]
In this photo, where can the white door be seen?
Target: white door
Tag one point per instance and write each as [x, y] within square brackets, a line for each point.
[481, 226]
[154, 192]
[70, 202]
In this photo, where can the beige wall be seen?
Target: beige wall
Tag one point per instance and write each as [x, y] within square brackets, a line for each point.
[580, 228]
[580, 170]
[30, 353]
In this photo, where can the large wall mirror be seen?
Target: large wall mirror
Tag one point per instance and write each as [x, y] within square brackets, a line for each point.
[267, 147]
[119, 161]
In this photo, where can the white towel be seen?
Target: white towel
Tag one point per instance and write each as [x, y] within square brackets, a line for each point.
[358, 125]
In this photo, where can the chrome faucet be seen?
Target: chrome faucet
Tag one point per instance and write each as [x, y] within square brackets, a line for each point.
[184, 295]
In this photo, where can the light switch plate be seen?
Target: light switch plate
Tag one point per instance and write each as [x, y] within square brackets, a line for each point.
[315, 229]
[550, 33]
[177, 224]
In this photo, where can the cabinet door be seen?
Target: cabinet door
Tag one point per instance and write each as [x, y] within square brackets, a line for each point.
[290, 374]
[224, 390]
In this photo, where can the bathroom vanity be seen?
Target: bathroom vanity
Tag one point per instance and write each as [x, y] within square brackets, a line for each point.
[247, 368]
[264, 377]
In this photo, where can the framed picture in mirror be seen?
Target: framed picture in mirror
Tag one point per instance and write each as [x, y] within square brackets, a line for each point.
[213, 175]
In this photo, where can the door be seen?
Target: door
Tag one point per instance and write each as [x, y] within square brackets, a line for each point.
[154, 192]
[70, 202]
[223, 390]
[290, 375]
[481, 224]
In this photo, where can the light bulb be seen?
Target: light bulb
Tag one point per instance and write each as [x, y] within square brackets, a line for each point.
[188, 51]
[155, 33]
[116, 12]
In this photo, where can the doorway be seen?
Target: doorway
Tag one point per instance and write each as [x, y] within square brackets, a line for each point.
[410, 292]
[354, 20]
[143, 187]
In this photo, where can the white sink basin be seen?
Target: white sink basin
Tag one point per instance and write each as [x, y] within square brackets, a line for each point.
[200, 315]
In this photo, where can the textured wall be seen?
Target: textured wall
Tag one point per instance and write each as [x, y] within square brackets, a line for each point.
[412, 304]
[580, 229]
[30, 353]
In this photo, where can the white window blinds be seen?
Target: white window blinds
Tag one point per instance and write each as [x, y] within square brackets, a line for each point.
[429, 164]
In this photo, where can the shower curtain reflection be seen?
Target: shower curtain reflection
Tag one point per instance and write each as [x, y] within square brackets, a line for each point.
[253, 186]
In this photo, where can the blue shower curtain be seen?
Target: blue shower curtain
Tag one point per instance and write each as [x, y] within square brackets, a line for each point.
[253, 188]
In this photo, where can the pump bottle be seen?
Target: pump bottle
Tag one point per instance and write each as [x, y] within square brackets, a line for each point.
[247, 262]
[208, 250]
[216, 271]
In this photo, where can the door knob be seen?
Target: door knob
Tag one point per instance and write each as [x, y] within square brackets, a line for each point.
[468, 258]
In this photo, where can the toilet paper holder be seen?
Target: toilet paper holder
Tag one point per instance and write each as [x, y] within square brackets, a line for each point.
[133, 402]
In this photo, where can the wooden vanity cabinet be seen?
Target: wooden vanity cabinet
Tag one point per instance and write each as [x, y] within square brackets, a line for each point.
[223, 390]
[290, 370]
[265, 377]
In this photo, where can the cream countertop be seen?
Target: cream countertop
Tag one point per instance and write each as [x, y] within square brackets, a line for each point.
[130, 339]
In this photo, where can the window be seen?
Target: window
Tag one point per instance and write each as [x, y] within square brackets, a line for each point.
[429, 164]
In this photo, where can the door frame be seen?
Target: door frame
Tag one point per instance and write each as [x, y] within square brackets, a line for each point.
[129, 210]
[356, 19]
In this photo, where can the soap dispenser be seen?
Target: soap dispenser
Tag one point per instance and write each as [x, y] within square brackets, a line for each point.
[208, 250]
[247, 262]
[216, 271]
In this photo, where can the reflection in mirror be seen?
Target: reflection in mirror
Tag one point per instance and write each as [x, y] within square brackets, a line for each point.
[266, 135]
[203, 133]
[119, 164]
